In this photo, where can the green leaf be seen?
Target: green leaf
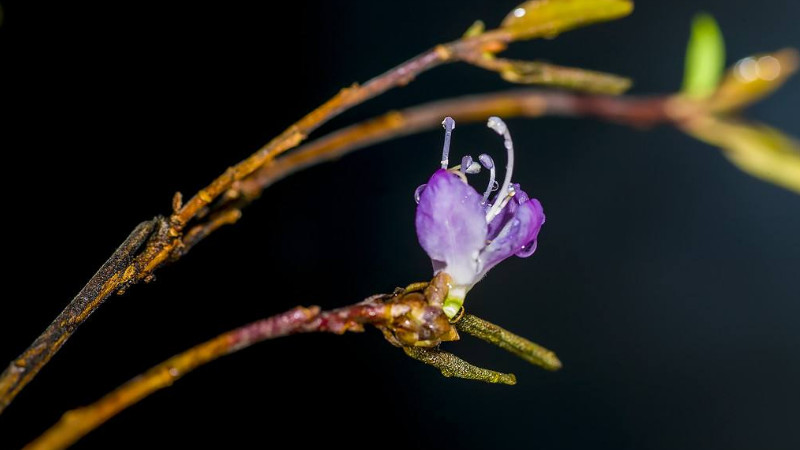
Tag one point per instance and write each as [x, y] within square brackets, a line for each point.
[705, 57]
[548, 18]
[753, 78]
[476, 29]
[541, 73]
[759, 150]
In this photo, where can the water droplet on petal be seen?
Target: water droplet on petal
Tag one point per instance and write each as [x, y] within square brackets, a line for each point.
[527, 250]
[418, 192]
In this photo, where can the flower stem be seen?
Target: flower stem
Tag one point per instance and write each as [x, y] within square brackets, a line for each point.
[452, 305]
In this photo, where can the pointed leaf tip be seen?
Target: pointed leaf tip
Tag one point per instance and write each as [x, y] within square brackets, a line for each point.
[548, 18]
[753, 78]
[759, 150]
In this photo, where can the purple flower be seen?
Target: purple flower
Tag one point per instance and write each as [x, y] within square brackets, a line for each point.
[464, 233]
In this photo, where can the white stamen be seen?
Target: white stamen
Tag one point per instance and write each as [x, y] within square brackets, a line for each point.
[468, 166]
[474, 168]
[498, 207]
[497, 124]
[449, 125]
[486, 160]
[488, 163]
[466, 161]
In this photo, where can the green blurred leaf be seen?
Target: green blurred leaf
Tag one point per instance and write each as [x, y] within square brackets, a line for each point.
[752, 79]
[759, 150]
[705, 57]
[536, 72]
[548, 18]
[476, 29]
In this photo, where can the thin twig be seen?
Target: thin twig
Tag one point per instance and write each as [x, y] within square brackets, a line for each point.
[168, 244]
[525, 103]
[410, 318]
[77, 423]
[110, 277]
[399, 316]
[461, 50]
[530, 103]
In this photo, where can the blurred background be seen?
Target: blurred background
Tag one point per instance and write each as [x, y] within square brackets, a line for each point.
[666, 279]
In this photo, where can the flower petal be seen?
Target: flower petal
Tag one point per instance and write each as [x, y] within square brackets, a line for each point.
[451, 226]
[506, 213]
[517, 236]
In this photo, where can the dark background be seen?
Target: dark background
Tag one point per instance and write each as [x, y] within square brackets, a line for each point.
[666, 279]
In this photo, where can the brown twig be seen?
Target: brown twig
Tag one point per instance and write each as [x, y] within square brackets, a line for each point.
[77, 423]
[461, 50]
[411, 319]
[169, 244]
[530, 103]
[113, 274]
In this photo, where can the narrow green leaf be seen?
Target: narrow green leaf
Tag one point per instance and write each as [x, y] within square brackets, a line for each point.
[476, 29]
[753, 78]
[548, 18]
[536, 72]
[759, 150]
[705, 57]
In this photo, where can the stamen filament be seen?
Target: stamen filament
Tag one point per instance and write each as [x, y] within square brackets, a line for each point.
[449, 125]
[497, 207]
[497, 124]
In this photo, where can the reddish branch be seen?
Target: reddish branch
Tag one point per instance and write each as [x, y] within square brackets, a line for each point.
[77, 423]
[410, 318]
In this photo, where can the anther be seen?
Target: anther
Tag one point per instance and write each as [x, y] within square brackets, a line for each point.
[488, 163]
[465, 163]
